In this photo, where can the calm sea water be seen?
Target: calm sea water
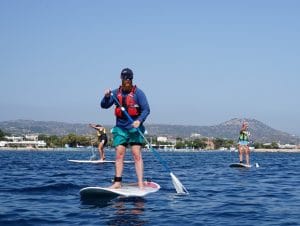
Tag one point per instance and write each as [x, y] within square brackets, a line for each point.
[42, 188]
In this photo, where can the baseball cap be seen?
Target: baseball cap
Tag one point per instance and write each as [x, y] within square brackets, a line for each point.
[126, 73]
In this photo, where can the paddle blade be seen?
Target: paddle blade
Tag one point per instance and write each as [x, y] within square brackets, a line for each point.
[180, 189]
[93, 157]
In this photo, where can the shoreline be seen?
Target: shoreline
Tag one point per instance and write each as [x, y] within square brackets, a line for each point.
[277, 150]
[175, 150]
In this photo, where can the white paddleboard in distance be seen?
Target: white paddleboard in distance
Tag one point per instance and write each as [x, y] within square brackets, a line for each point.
[95, 161]
[127, 190]
[240, 165]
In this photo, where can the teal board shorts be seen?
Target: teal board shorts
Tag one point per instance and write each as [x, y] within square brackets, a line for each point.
[243, 142]
[125, 137]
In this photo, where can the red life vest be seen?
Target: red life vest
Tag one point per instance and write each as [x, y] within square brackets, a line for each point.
[128, 103]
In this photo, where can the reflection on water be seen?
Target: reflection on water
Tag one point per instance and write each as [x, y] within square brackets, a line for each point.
[126, 211]
[90, 203]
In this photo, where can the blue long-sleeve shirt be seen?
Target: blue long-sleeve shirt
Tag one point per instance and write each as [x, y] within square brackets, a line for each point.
[140, 99]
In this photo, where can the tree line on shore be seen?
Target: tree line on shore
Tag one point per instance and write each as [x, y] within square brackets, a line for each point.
[74, 140]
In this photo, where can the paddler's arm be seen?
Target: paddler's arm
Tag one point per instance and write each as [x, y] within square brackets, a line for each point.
[107, 101]
[144, 106]
[94, 126]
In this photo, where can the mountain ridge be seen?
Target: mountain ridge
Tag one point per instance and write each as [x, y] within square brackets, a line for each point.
[260, 132]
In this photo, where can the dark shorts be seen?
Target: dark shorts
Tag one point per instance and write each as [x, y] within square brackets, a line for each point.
[102, 139]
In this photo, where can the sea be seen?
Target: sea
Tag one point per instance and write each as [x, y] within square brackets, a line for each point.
[42, 188]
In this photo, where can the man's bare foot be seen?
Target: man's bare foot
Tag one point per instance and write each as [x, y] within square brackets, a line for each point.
[116, 185]
[141, 185]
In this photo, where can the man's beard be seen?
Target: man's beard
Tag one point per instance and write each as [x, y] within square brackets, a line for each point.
[126, 86]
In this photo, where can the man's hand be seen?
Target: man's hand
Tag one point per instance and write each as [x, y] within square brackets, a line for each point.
[136, 124]
[107, 92]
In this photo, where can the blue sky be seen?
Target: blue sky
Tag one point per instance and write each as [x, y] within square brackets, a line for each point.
[199, 62]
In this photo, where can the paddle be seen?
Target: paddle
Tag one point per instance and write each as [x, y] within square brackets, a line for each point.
[177, 184]
[93, 157]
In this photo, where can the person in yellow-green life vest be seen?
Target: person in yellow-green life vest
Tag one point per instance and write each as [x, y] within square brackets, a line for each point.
[243, 143]
[102, 139]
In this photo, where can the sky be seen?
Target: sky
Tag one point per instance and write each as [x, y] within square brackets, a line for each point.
[198, 62]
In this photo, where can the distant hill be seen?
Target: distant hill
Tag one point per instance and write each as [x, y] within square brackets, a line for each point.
[19, 127]
[260, 132]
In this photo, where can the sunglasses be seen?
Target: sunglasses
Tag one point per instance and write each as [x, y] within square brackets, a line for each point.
[126, 77]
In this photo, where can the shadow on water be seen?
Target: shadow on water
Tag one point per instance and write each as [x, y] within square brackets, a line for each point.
[127, 211]
[92, 202]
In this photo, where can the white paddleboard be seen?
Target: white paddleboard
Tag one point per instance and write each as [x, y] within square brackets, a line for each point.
[241, 165]
[95, 161]
[127, 190]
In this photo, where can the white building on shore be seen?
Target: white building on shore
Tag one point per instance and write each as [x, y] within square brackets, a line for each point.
[27, 141]
[287, 146]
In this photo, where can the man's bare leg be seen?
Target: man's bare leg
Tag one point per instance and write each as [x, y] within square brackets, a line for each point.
[120, 153]
[139, 165]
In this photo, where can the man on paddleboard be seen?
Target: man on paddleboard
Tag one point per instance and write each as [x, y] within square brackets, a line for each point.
[102, 139]
[125, 132]
[244, 143]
